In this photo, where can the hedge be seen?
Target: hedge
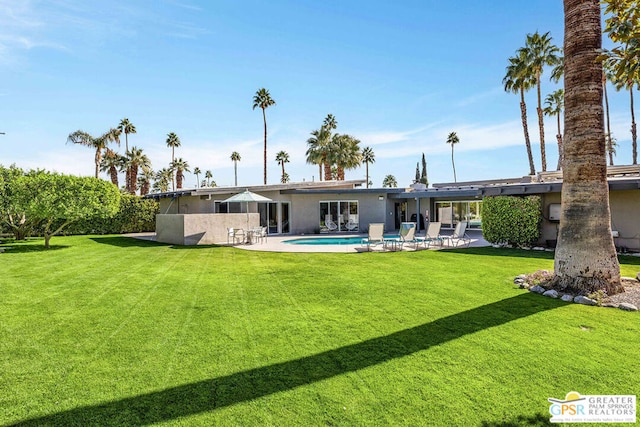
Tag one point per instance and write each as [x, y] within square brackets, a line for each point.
[511, 220]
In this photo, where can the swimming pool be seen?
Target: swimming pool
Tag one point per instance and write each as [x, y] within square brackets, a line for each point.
[354, 240]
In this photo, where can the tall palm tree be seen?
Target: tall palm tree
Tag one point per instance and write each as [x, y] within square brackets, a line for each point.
[263, 100]
[180, 166]
[585, 257]
[283, 157]
[208, 175]
[235, 158]
[127, 127]
[144, 180]
[627, 76]
[162, 179]
[136, 159]
[519, 79]
[554, 104]
[317, 151]
[389, 181]
[344, 153]
[330, 122]
[607, 75]
[197, 172]
[453, 140]
[368, 156]
[98, 144]
[173, 141]
[540, 52]
[110, 163]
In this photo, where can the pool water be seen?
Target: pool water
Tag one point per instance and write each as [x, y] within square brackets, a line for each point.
[356, 240]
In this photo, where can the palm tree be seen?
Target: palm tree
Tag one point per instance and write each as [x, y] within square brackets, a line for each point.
[540, 52]
[585, 257]
[554, 105]
[330, 122]
[318, 149]
[127, 127]
[135, 159]
[453, 140]
[626, 78]
[344, 153]
[208, 175]
[145, 179]
[519, 80]
[110, 163]
[368, 157]
[389, 182]
[99, 144]
[180, 166]
[283, 157]
[173, 141]
[197, 172]
[235, 157]
[607, 74]
[162, 179]
[263, 100]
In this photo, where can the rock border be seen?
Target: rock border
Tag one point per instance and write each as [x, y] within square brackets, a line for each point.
[520, 280]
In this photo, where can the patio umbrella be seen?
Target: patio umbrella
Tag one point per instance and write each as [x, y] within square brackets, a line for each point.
[245, 197]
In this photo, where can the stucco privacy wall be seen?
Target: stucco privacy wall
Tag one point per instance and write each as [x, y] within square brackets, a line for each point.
[200, 229]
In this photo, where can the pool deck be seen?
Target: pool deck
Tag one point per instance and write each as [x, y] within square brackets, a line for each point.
[275, 243]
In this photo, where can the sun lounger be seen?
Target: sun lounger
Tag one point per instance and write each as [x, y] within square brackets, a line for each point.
[406, 235]
[375, 237]
[432, 236]
[459, 236]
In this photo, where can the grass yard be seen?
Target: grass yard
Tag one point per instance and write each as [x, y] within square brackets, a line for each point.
[107, 330]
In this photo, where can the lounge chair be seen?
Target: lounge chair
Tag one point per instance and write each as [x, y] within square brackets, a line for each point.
[406, 235]
[459, 236]
[432, 235]
[328, 222]
[375, 236]
[352, 225]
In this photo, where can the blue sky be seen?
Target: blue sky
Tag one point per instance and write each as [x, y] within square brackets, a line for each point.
[399, 76]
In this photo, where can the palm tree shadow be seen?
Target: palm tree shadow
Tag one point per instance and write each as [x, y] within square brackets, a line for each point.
[220, 392]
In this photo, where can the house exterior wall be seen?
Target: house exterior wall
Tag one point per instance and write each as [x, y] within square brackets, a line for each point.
[201, 229]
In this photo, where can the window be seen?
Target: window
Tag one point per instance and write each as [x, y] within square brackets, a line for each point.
[343, 213]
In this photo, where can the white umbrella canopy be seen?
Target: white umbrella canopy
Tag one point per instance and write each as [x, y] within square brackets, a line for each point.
[247, 196]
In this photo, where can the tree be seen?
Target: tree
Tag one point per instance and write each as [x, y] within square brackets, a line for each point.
[173, 141]
[162, 179]
[127, 127]
[57, 199]
[318, 150]
[11, 216]
[110, 163]
[540, 52]
[180, 166]
[607, 74]
[283, 157]
[208, 175]
[453, 140]
[144, 180]
[344, 153]
[134, 160]
[197, 172]
[389, 182]
[98, 144]
[235, 158]
[554, 104]
[585, 257]
[520, 80]
[368, 156]
[417, 178]
[263, 100]
[423, 176]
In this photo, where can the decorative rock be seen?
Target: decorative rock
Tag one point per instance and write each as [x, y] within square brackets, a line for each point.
[496, 246]
[550, 250]
[552, 293]
[584, 300]
[567, 297]
[538, 289]
[524, 285]
[518, 280]
[610, 305]
[538, 248]
[521, 276]
[627, 307]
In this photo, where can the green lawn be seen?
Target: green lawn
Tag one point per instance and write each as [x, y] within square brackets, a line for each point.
[107, 330]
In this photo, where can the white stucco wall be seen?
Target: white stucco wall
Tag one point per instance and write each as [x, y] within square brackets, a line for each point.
[201, 229]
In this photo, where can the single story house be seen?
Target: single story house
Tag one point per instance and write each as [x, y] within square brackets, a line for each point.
[200, 216]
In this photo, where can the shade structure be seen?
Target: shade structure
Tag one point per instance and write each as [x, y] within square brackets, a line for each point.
[247, 196]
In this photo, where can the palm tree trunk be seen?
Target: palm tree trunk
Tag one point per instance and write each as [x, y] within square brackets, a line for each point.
[559, 138]
[606, 104]
[282, 163]
[543, 154]
[264, 118]
[235, 172]
[97, 159]
[585, 257]
[134, 179]
[327, 171]
[367, 167]
[114, 175]
[320, 171]
[525, 127]
[453, 164]
[126, 142]
[634, 135]
[173, 159]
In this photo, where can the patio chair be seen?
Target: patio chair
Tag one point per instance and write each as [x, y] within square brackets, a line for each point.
[459, 236]
[352, 225]
[375, 236]
[406, 235]
[234, 236]
[262, 234]
[432, 235]
[328, 222]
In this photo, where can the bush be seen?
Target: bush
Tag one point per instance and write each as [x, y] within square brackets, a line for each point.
[511, 220]
[135, 215]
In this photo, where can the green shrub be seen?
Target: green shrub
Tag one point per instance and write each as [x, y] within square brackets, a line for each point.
[511, 220]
